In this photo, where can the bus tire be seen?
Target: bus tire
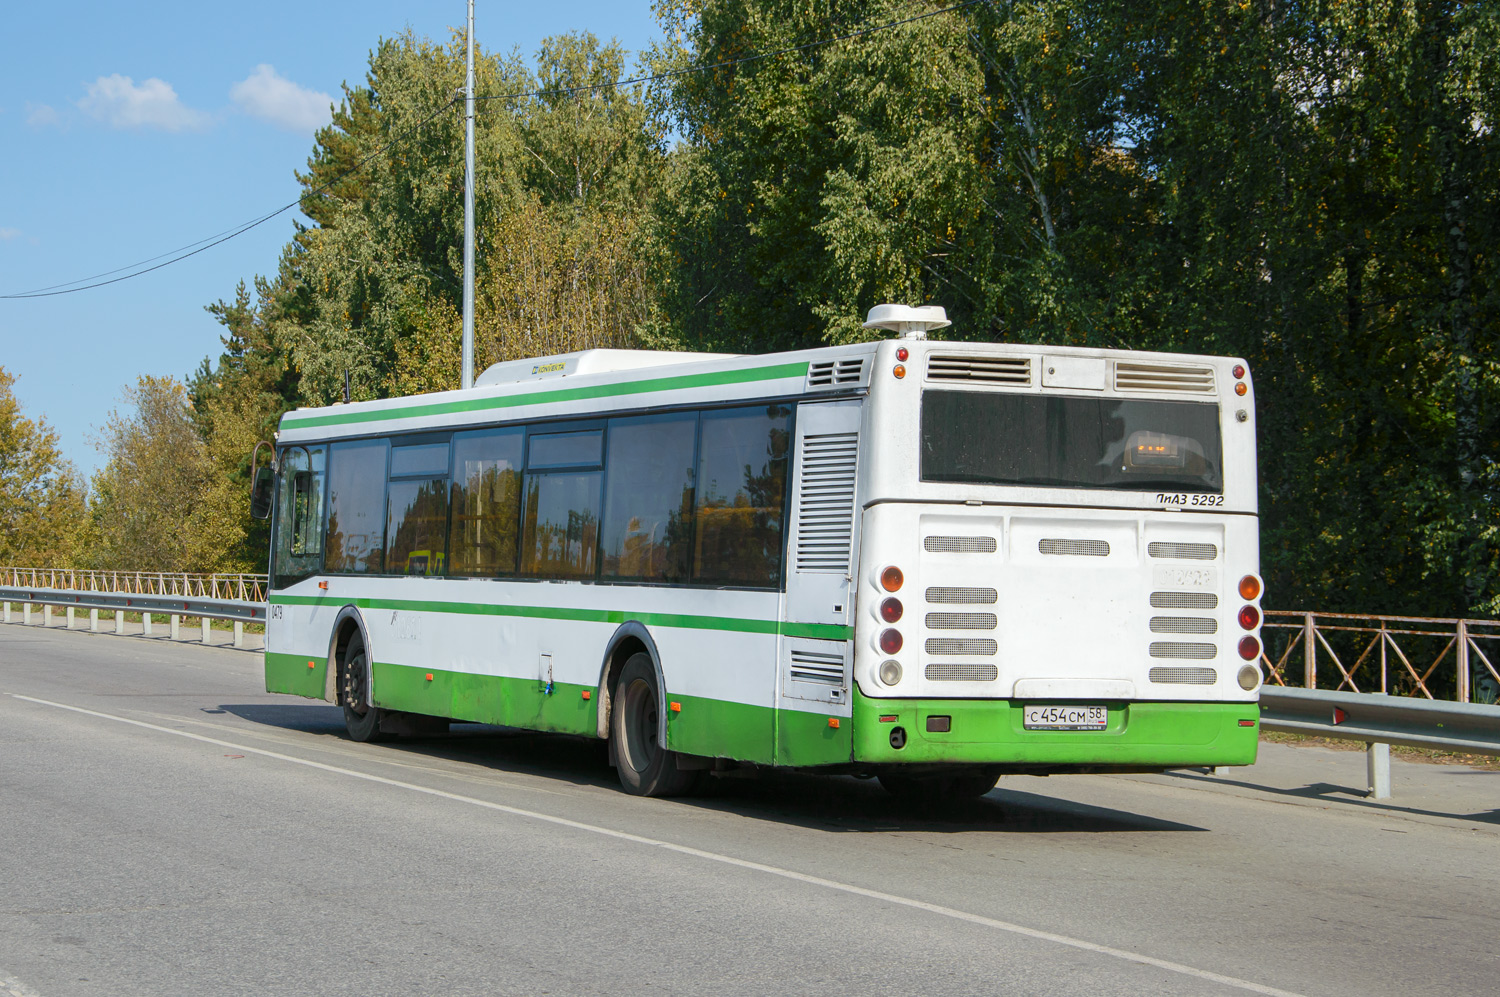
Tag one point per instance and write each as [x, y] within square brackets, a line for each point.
[361, 720]
[645, 767]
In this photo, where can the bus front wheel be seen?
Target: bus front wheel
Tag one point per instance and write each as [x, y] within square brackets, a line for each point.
[645, 767]
[361, 720]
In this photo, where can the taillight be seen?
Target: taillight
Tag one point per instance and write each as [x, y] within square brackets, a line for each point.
[1249, 648]
[902, 353]
[890, 641]
[891, 579]
[1249, 618]
[1249, 587]
[1238, 371]
[890, 610]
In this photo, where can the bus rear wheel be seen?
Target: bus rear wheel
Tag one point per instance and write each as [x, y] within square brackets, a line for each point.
[645, 767]
[361, 720]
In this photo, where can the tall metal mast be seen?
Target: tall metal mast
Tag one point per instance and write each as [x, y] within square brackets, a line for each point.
[468, 381]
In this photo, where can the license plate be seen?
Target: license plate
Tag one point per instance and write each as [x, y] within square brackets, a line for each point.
[1065, 717]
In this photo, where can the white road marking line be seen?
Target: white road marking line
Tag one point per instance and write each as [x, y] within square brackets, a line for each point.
[800, 877]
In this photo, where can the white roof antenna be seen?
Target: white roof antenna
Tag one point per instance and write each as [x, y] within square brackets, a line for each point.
[908, 321]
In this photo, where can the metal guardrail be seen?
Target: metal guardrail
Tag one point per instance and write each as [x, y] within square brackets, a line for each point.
[174, 607]
[1381, 721]
[238, 587]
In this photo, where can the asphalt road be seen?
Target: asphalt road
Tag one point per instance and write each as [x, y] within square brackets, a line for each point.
[168, 828]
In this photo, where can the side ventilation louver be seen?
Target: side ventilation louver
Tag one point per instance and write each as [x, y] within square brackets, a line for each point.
[960, 545]
[1135, 376]
[836, 373]
[1074, 548]
[1182, 551]
[813, 666]
[987, 370]
[825, 507]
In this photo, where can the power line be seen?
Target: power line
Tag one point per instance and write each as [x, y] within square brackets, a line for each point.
[184, 252]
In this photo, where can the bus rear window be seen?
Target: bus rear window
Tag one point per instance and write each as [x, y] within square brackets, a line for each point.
[1059, 441]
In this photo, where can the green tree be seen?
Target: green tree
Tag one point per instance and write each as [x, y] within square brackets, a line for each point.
[43, 510]
[161, 503]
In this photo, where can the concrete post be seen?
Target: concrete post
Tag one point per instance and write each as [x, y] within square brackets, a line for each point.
[1378, 770]
[176, 627]
[46, 616]
[94, 620]
[119, 621]
[26, 613]
[204, 622]
[239, 633]
[7, 612]
[70, 617]
[146, 624]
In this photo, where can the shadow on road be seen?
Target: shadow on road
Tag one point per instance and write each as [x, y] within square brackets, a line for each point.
[1347, 796]
[783, 796]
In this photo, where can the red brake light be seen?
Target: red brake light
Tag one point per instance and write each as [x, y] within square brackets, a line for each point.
[890, 641]
[902, 353]
[890, 610]
[1239, 370]
[1249, 618]
[1249, 648]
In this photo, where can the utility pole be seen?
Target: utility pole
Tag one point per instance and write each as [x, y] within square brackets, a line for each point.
[468, 381]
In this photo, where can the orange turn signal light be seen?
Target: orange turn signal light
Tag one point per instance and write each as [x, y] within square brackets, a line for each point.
[1249, 587]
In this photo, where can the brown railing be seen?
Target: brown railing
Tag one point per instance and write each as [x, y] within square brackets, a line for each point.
[242, 587]
[1398, 655]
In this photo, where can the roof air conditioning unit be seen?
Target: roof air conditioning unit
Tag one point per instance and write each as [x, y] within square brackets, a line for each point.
[908, 321]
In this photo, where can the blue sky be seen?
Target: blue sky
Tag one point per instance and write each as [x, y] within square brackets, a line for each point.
[130, 130]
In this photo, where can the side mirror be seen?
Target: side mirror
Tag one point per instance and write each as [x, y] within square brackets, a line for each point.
[260, 492]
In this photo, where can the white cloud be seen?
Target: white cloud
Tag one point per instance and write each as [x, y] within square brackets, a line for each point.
[38, 115]
[267, 95]
[7, 234]
[119, 102]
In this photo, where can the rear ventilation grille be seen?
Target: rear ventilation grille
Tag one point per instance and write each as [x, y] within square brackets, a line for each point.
[1184, 676]
[1086, 548]
[1132, 376]
[961, 673]
[811, 666]
[1184, 600]
[825, 509]
[836, 373]
[960, 545]
[960, 645]
[1184, 625]
[1174, 649]
[961, 621]
[988, 370]
[962, 596]
[1182, 551]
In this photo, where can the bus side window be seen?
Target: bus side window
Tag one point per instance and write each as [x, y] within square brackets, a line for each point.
[741, 493]
[417, 523]
[356, 506]
[299, 515]
[648, 506]
[486, 502]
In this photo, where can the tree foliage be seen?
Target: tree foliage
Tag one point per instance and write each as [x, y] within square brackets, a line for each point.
[43, 511]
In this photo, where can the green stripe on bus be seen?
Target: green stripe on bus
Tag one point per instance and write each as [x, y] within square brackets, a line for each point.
[774, 372]
[820, 631]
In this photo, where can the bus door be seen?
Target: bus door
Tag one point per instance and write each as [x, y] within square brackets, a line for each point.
[815, 653]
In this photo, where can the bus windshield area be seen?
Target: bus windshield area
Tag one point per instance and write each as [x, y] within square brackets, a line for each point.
[1061, 441]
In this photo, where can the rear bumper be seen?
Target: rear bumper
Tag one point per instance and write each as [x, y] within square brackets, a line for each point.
[1138, 735]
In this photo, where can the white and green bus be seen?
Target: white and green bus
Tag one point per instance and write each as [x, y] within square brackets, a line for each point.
[933, 562]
